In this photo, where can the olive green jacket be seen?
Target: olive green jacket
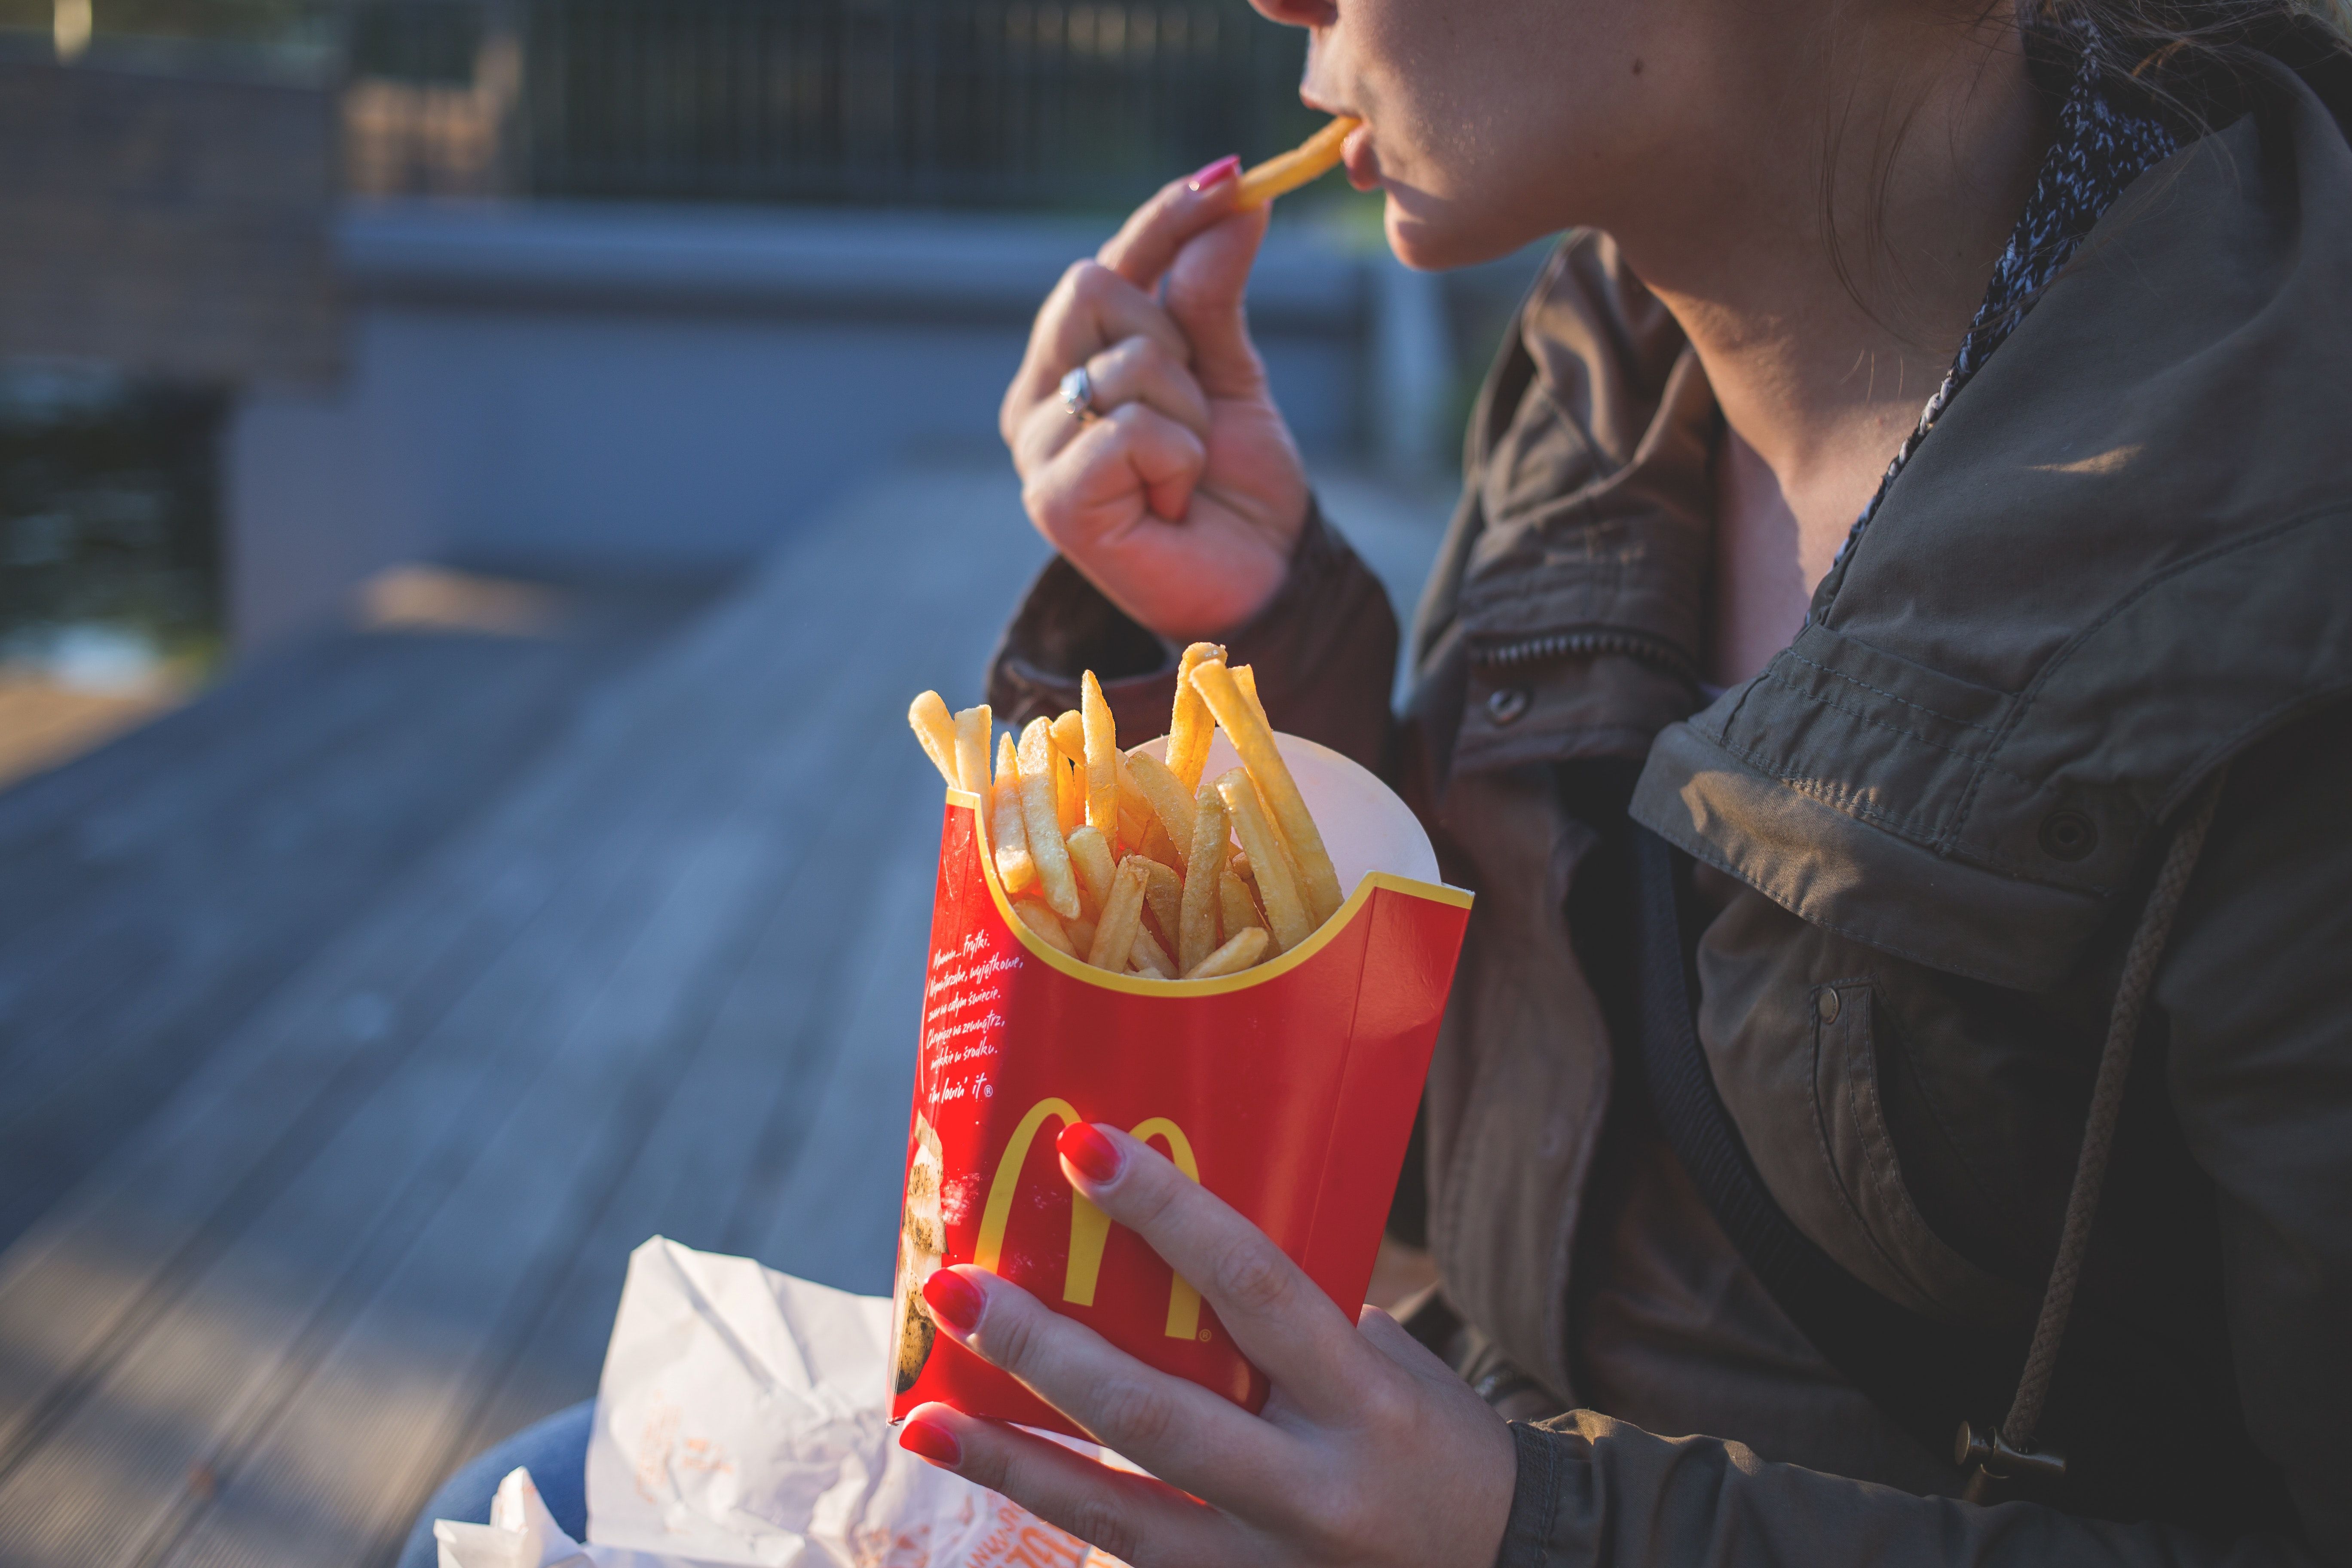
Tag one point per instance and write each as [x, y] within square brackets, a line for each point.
[2122, 562]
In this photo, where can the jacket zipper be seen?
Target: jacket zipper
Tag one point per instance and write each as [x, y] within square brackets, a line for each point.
[1654, 651]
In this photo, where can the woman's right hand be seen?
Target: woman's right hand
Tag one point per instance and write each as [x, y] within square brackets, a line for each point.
[1182, 495]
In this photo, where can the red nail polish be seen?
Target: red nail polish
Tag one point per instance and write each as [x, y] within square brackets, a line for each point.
[954, 1300]
[929, 1440]
[1096, 1156]
[1215, 174]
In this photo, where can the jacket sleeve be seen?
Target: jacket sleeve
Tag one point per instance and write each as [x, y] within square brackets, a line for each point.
[2255, 992]
[1594, 1490]
[1324, 651]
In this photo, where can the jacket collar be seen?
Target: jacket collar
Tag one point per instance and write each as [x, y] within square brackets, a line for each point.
[2120, 561]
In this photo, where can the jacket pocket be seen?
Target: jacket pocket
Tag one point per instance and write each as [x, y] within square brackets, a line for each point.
[1905, 1257]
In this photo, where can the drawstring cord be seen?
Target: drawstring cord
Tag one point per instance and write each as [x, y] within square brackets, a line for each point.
[2007, 1453]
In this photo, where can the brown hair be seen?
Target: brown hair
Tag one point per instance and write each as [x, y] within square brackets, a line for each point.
[2191, 59]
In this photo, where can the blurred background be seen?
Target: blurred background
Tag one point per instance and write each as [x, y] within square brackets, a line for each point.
[479, 480]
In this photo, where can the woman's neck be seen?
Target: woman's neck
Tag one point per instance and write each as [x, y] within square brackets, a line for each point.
[1928, 161]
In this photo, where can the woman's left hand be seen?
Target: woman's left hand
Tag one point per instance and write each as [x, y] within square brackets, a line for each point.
[1369, 1450]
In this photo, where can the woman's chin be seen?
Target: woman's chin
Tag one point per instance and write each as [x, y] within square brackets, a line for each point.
[1422, 237]
[1419, 238]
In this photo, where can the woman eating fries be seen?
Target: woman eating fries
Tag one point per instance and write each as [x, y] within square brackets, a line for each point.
[1887, 684]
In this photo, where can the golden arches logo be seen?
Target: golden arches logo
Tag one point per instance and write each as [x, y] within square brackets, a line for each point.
[1089, 1226]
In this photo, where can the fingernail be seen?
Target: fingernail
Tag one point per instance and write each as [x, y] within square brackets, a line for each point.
[1214, 173]
[954, 1300]
[1096, 1156]
[929, 1440]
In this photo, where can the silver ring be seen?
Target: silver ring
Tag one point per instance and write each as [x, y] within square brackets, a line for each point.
[1078, 395]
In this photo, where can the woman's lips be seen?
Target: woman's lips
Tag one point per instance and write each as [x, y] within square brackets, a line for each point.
[1363, 165]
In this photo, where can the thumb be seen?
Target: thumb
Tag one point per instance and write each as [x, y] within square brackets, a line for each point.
[1207, 286]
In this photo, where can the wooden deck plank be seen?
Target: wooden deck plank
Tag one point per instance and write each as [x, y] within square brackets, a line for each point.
[208, 925]
[307, 1358]
[346, 1225]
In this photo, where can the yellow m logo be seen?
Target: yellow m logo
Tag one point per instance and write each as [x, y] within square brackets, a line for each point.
[1089, 1226]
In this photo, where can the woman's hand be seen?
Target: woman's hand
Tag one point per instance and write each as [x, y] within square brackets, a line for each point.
[1182, 494]
[1369, 1449]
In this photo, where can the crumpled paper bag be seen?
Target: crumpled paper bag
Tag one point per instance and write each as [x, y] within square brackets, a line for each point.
[742, 1418]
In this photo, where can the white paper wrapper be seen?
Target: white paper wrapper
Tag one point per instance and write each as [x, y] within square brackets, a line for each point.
[741, 1420]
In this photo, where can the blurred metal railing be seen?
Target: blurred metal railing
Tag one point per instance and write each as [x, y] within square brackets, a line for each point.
[989, 103]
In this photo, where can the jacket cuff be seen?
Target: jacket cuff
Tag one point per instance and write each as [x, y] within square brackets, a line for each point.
[1548, 1464]
[1324, 650]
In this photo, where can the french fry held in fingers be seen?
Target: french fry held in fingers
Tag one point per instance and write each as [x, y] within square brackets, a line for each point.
[1247, 948]
[1253, 742]
[1286, 909]
[1309, 161]
[1121, 918]
[1046, 847]
[934, 726]
[1007, 831]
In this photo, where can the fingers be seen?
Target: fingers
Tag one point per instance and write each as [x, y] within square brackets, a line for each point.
[1279, 1317]
[1091, 307]
[1147, 244]
[1388, 1336]
[1134, 370]
[1111, 473]
[1133, 1518]
[1203, 249]
[1178, 1430]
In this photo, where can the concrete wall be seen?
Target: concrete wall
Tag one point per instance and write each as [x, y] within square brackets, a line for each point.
[601, 388]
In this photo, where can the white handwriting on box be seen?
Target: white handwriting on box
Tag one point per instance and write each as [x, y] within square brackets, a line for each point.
[741, 1420]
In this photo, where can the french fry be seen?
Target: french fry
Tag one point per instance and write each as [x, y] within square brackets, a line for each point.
[1150, 957]
[1090, 853]
[1122, 917]
[1169, 801]
[1082, 935]
[1309, 161]
[1101, 739]
[1133, 807]
[1246, 679]
[1196, 922]
[971, 729]
[1247, 948]
[1189, 727]
[1041, 919]
[1158, 844]
[927, 716]
[1286, 909]
[1046, 847]
[1236, 911]
[1254, 740]
[1069, 779]
[1014, 868]
[1163, 895]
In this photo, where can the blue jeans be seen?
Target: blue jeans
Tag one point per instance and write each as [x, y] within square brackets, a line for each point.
[555, 1451]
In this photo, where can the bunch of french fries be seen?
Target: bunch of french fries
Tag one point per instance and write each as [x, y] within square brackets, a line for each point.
[1132, 863]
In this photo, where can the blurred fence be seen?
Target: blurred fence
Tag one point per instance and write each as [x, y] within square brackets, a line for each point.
[974, 103]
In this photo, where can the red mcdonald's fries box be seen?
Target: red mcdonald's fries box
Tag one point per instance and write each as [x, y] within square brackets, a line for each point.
[1287, 1089]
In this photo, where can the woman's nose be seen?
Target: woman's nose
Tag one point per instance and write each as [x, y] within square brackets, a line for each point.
[1298, 13]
